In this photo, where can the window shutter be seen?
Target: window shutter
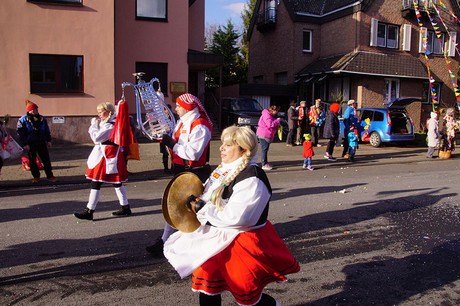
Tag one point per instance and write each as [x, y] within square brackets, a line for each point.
[422, 40]
[374, 31]
[452, 43]
[407, 31]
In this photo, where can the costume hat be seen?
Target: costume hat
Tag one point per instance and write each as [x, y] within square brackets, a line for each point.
[334, 107]
[30, 105]
[189, 102]
[307, 137]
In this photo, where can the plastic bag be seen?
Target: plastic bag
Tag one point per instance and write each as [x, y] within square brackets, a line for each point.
[26, 164]
[12, 147]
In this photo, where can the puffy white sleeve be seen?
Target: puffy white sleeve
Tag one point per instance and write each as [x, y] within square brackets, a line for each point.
[100, 133]
[243, 209]
[194, 148]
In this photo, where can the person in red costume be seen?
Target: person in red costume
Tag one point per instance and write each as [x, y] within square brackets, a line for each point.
[189, 149]
[106, 163]
[235, 248]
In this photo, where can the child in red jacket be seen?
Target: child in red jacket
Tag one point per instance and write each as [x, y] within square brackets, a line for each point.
[307, 152]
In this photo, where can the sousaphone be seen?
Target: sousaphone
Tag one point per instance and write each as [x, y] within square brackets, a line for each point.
[175, 196]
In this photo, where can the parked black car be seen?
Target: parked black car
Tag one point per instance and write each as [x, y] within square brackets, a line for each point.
[241, 111]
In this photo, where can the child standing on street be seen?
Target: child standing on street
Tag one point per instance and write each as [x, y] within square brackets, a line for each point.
[353, 142]
[307, 152]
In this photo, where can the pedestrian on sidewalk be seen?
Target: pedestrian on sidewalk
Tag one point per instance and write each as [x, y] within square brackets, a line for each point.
[292, 124]
[302, 122]
[35, 137]
[308, 152]
[332, 130]
[316, 116]
[189, 147]
[433, 135]
[106, 163]
[266, 130]
[349, 117]
[353, 139]
[235, 248]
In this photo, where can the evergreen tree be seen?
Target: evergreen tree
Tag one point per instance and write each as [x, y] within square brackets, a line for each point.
[225, 42]
[246, 15]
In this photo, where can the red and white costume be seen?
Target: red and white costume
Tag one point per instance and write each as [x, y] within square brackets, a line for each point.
[103, 150]
[192, 144]
[235, 249]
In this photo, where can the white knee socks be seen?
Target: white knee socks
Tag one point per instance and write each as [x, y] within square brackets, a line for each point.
[93, 198]
[122, 196]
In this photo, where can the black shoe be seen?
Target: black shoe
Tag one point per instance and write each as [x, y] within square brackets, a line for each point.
[123, 211]
[87, 214]
[156, 250]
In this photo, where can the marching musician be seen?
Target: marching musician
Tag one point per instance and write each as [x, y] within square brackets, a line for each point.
[189, 149]
[235, 248]
[106, 163]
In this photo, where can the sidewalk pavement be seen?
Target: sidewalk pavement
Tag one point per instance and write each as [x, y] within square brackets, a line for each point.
[69, 162]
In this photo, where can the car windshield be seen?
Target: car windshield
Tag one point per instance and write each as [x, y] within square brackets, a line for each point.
[250, 105]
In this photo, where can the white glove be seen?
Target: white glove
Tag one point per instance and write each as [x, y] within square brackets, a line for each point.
[94, 121]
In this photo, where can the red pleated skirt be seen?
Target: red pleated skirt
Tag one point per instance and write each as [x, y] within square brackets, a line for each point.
[98, 173]
[253, 260]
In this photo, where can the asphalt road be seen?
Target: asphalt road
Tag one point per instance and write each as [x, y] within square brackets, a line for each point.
[382, 231]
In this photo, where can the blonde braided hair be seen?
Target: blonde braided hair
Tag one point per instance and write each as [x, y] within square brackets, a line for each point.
[246, 139]
[108, 107]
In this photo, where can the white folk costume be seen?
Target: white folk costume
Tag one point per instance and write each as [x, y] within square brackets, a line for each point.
[236, 248]
[106, 163]
[192, 139]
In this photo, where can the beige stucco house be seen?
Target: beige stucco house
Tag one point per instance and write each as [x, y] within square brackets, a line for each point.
[67, 56]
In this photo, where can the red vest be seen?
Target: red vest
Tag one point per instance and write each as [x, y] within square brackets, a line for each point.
[204, 158]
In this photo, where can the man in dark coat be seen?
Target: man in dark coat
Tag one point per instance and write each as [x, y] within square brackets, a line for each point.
[292, 124]
[35, 136]
[331, 130]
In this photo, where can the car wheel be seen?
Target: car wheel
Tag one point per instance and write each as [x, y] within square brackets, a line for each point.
[375, 140]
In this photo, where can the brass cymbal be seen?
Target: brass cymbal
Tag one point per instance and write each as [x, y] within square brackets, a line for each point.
[175, 198]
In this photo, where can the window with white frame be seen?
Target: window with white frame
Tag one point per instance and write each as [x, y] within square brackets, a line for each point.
[434, 44]
[387, 35]
[430, 43]
[151, 9]
[56, 73]
[426, 93]
[391, 90]
[307, 41]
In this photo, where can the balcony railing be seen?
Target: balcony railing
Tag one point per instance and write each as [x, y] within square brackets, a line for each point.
[423, 5]
[266, 20]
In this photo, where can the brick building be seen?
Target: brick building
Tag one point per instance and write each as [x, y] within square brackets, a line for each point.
[368, 50]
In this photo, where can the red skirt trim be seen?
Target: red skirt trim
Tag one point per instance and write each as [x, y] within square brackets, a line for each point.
[253, 260]
[98, 172]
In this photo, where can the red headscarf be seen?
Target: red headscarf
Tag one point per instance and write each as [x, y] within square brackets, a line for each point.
[189, 102]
